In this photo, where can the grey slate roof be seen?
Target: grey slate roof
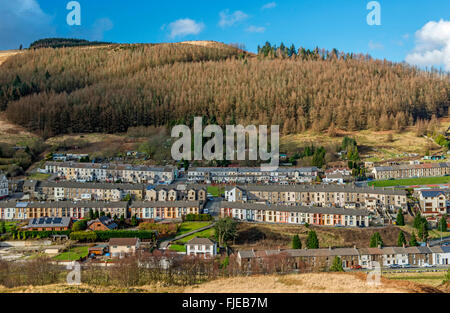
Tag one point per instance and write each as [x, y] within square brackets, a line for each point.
[164, 204]
[321, 188]
[292, 208]
[200, 241]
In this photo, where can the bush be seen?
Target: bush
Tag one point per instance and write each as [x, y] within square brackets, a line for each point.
[84, 236]
[79, 226]
[198, 218]
[105, 235]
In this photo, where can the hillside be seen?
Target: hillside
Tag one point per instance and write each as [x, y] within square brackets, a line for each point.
[110, 88]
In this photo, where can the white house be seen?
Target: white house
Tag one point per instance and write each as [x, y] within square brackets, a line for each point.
[433, 202]
[441, 255]
[201, 247]
[121, 246]
[4, 192]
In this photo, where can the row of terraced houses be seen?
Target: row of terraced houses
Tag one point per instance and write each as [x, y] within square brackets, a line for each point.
[12, 210]
[411, 170]
[350, 257]
[347, 196]
[77, 191]
[90, 172]
[252, 175]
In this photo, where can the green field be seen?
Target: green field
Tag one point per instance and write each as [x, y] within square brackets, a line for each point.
[209, 233]
[39, 176]
[178, 248]
[216, 191]
[73, 254]
[412, 181]
[187, 227]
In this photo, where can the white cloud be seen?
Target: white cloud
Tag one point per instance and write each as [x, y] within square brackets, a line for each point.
[270, 5]
[227, 19]
[185, 27]
[432, 45]
[375, 45]
[256, 29]
[22, 22]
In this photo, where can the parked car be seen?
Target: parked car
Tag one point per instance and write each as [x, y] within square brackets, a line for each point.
[406, 266]
[356, 267]
[427, 265]
[394, 266]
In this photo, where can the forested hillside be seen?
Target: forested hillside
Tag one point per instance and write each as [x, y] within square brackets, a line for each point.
[108, 89]
[63, 42]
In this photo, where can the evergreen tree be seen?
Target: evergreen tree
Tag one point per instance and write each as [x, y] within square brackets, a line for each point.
[400, 218]
[337, 265]
[413, 240]
[401, 239]
[423, 232]
[134, 221]
[376, 240]
[418, 220]
[2, 227]
[442, 226]
[312, 242]
[296, 242]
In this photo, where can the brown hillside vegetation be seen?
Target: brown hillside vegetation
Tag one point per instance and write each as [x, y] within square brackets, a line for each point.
[295, 283]
[268, 236]
[310, 283]
[109, 89]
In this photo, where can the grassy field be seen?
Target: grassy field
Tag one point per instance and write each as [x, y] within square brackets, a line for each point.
[178, 248]
[374, 146]
[209, 233]
[73, 255]
[187, 227]
[412, 181]
[216, 191]
[39, 176]
[433, 279]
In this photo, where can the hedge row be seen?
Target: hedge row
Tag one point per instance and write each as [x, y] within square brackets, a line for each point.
[198, 217]
[23, 235]
[89, 236]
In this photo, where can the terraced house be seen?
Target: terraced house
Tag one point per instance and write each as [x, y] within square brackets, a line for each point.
[175, 193]
[76, 191]
[320, 195]
[250, 175]
[126, 173]
[290, 214]
[165, 209]
[411, 170]
[12, 210]
[367, 258]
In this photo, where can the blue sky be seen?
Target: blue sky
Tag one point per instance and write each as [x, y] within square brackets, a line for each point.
[416, 30]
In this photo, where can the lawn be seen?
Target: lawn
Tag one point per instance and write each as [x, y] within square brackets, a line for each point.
[209, 233]
[178, 248]
[39, 176]
[412, 181]
[216, 191]
[187, 227]
[73, 254]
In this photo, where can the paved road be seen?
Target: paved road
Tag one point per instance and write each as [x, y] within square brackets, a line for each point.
[213, 206]
[164, 244]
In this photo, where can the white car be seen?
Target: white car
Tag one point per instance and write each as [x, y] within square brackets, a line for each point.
[426, 265]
